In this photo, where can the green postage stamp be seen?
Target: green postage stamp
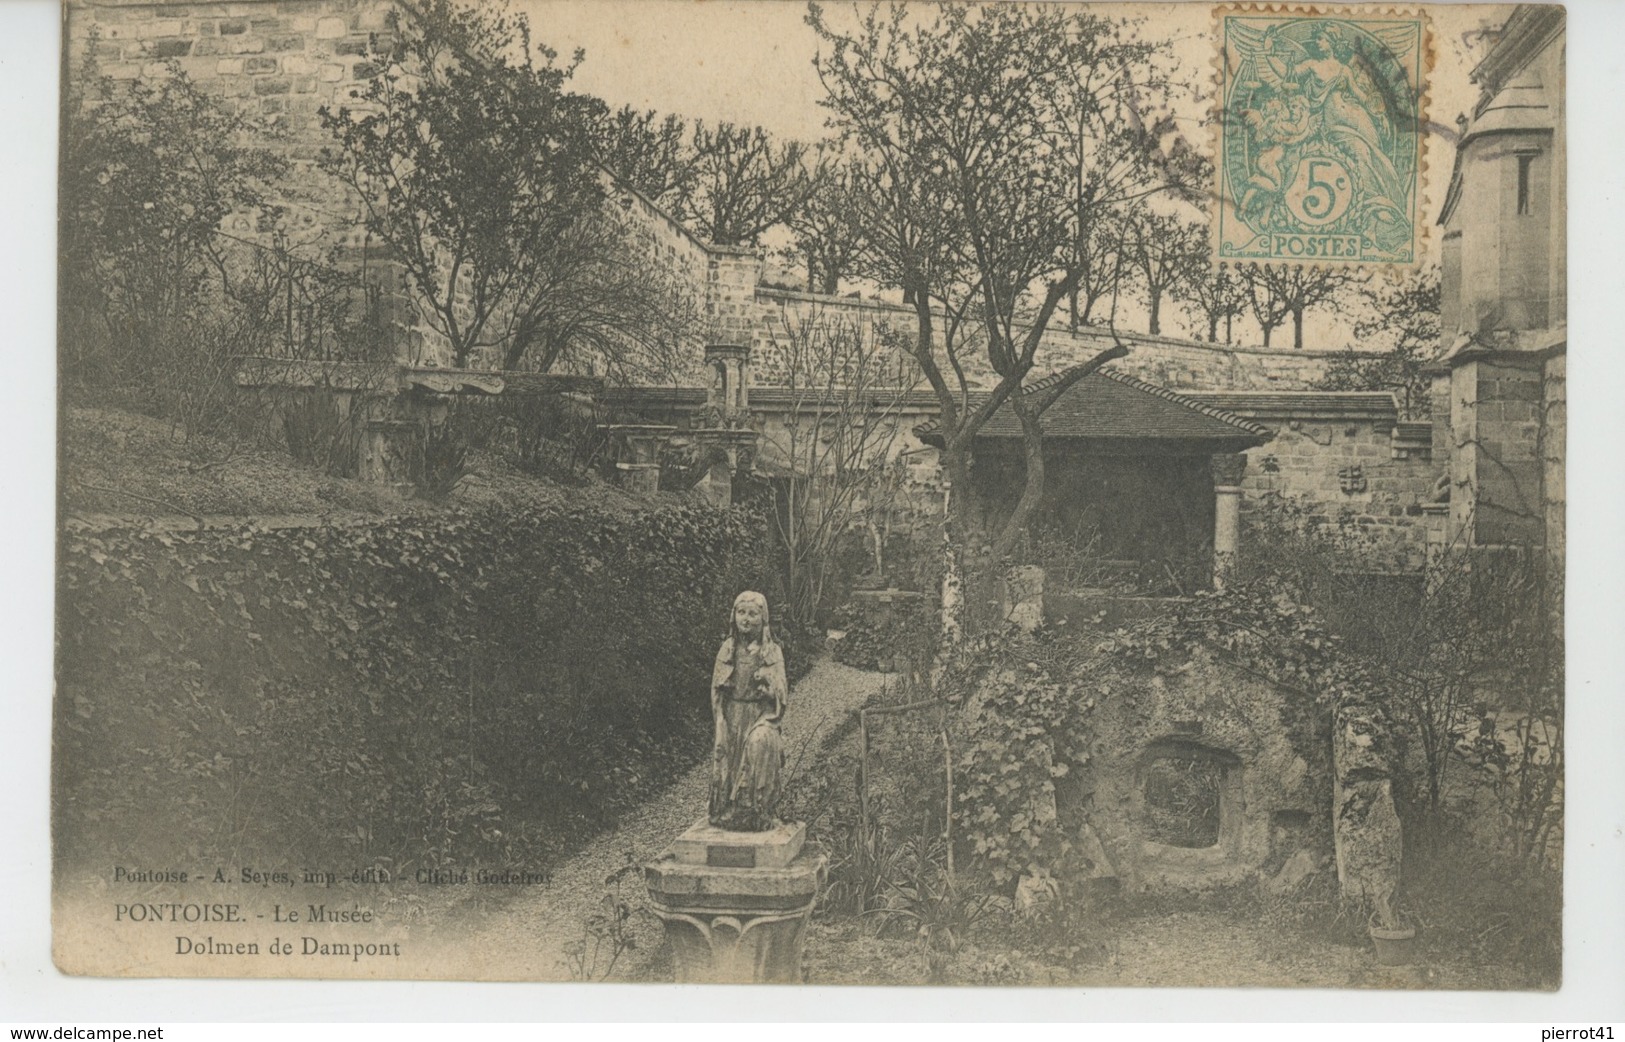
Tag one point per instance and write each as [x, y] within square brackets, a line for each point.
[1320, 135]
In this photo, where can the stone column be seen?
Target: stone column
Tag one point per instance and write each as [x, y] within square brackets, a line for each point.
[1436, 518]
[1228, 467]
[736, 904]
[391, 452]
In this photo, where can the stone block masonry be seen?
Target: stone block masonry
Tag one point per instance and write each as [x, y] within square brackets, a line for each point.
[317, 49]
[276, 63]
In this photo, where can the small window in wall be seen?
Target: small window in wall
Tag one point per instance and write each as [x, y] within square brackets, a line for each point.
[1525, 202]
[1183, 792]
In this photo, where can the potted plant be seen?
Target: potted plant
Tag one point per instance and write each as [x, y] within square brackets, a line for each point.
[1395, 942]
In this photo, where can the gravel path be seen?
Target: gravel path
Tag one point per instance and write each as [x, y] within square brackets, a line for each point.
[532, 937]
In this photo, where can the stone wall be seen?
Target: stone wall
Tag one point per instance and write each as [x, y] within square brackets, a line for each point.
[1172, 363]
[275, 63]
[1496, 466]
[278, 59]
[1349, 469]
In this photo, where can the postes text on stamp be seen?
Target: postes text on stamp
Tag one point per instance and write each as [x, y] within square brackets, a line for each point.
[1319, 157]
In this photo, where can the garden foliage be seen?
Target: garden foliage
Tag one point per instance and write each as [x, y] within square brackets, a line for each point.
[468, 688]
[1024, 723]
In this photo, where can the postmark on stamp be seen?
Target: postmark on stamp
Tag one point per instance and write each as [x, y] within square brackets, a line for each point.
[1320, 135]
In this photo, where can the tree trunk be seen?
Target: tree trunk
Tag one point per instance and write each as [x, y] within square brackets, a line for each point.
[1297, 328]
[1032, 491]
[1268, 331]
[957, 523]
[1213, 328]
[1156, 311]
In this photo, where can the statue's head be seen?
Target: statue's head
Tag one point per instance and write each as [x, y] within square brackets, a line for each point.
[750, 616]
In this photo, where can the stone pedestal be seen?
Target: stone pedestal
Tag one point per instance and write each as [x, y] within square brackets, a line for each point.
[391, 452]
[638, 477]
[1436, 518]
[736, 904]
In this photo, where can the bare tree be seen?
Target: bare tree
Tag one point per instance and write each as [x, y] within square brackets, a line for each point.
[1217, 294]
[1163, 251]
[846, 392]
[829, 235]
[605, 305]
[1276, 294]
[647, 152]
[1406, 316]
[1099, 256]
[976, 123]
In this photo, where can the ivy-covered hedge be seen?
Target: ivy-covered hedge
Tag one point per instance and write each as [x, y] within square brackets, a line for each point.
[469, 688]
[884, 636]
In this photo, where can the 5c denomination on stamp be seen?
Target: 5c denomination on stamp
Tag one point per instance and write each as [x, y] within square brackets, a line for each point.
[1320, 135]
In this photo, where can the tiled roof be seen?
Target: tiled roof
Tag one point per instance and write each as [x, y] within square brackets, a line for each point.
[1112, 405]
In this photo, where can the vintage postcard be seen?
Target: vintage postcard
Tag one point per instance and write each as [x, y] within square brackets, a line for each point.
[994, 494]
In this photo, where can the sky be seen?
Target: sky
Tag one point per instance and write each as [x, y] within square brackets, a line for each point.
[751, 61]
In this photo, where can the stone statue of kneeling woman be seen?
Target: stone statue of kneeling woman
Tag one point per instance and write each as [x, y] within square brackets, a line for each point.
[748, 693]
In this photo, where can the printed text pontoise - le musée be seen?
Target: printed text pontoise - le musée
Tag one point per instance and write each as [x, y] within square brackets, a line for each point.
[201, 912]
[225, 912]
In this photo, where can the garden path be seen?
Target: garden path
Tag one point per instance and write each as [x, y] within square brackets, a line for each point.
[532, 936]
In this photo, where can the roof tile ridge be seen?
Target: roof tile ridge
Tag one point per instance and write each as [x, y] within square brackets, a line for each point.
[1179, 399]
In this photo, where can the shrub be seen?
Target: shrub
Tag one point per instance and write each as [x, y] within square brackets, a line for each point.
[884, 637]
[1022, 724]
[468, 687]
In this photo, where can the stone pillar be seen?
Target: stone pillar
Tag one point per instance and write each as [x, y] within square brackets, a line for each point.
[733, 451]
[1228, 467]
[391, 452]
[1365, 824]
[637, 453]
[736, 904]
